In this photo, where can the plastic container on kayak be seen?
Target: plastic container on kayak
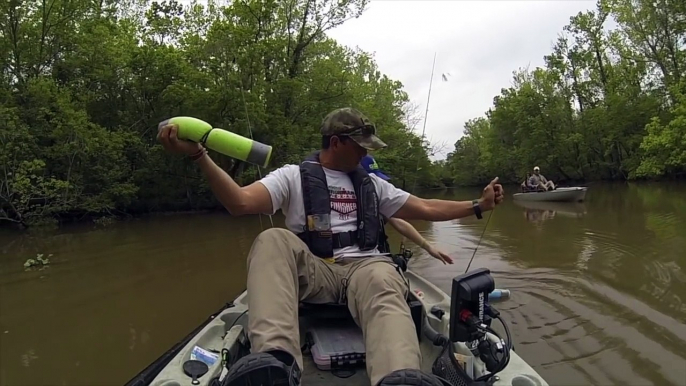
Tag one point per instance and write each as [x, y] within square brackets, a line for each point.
[222, 141]
[337, 346]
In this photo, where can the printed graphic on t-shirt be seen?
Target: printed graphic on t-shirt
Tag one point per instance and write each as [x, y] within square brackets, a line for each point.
[343, 201]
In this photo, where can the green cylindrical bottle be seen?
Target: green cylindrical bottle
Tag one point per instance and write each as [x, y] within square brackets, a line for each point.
[222, 141]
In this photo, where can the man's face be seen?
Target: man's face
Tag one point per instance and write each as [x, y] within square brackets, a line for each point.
[536, 171]
[348, 153]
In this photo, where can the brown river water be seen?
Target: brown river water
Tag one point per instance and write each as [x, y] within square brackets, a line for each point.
[598, 288]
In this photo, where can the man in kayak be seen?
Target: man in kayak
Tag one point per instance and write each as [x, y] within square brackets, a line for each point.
[538, 181]
[403, 227]
[329, 253]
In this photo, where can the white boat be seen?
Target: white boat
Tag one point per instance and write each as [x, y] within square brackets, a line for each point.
[573, 194]
[225, 333]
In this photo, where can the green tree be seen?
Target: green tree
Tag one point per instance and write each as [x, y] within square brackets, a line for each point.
[84, 85]
[607, 104]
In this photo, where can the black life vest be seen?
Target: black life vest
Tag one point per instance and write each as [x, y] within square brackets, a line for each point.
[317, 233]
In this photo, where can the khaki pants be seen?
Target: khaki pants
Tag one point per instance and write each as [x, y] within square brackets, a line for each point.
[282, 272]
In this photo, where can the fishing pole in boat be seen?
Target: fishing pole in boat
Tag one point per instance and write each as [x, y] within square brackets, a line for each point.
[421, 143]
[471, 314]
[259, 171]
[426, 116]
[414, 186]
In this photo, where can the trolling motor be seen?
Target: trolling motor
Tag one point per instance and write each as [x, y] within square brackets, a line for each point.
[470, 323]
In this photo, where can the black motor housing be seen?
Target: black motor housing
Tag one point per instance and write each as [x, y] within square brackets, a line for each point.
[469, 297]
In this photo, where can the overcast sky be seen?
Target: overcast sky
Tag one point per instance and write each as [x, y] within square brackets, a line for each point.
[479, 42]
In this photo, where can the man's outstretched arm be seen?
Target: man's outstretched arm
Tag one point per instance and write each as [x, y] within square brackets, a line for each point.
[434, 210]
[251, 199]
[416, 208]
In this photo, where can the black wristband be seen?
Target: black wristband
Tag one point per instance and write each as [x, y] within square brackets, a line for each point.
[477, 209]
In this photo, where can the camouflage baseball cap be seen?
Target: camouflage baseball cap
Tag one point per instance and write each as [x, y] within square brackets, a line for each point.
[352, 123]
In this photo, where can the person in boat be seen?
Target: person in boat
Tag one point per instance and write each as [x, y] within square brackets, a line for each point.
[403, 227]
[525, 184]
[538, 181]
[330, 253]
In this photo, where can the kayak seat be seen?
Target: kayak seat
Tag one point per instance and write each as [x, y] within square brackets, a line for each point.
[341, 311]
[324, 311]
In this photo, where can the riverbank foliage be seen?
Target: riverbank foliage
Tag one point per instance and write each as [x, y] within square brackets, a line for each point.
[84, 85]
[610, 103]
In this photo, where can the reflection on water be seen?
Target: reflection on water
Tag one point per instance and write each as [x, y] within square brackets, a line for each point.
[598, 288]
[539, 211]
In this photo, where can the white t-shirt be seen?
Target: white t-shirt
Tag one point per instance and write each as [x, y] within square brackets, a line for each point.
[285, 189]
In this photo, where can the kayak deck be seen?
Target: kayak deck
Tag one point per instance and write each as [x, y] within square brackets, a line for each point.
[227, 330]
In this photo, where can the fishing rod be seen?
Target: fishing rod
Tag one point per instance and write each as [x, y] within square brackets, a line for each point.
[414, 186]
[259, 170]
[421, 143]
[426, 116]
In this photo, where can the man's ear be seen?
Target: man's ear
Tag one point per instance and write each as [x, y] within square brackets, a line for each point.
[335, 141]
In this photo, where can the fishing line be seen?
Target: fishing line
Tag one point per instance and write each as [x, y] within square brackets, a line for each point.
[480, 238]
[259, 170]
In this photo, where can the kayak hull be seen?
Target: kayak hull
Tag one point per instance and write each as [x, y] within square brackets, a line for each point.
[227, 329]
[573, 194]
